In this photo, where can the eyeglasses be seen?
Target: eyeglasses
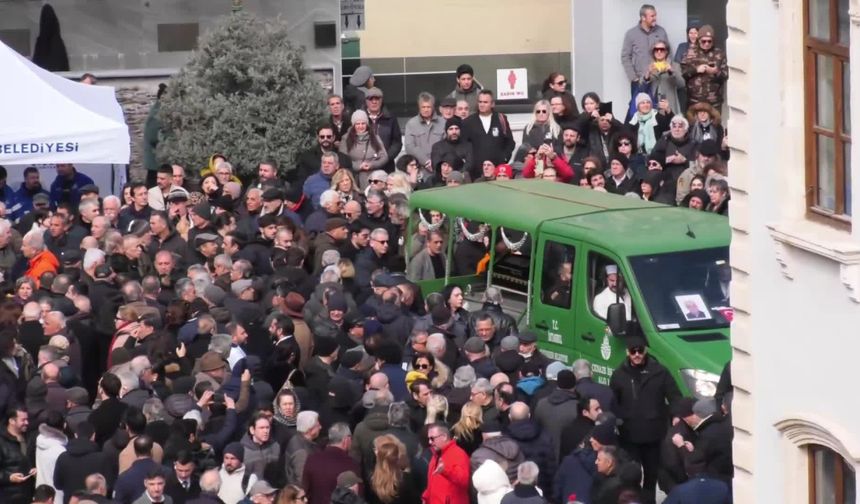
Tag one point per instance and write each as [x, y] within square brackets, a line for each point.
[636, 350]
[532, 152]
[540, 111]
[627, 144]
[325, 137]
[384, 242]
[433, 438]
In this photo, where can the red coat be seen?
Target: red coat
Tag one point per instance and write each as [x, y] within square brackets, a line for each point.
[562, 169]
[451, 484]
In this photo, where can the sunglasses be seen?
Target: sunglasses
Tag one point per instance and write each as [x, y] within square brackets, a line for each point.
[659, 49]
[624, 143]
[561, 83]
[348, 214]
[376, 182]
[384, 242]
[636, 350]
[540, 111]
[423, 366]
[653, 163]
[324, 137]
[374, 98]
[706, 41]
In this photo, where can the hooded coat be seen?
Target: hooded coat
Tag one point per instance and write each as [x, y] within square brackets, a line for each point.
[502, 450]
[491, 483]
[50, 51]
[50, 444]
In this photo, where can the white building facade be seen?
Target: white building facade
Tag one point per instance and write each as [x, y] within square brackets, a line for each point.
[795, 251]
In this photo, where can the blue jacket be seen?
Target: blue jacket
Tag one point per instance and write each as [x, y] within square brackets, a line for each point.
[68, 191]
[700, 490]
[575, 476]
[314, 186]
[22, 203]
[129, 485]
[396, 381]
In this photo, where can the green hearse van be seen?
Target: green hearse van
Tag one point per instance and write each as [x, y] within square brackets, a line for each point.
[552, 249]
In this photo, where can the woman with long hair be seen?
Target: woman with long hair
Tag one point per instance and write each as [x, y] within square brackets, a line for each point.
[25, 287]
[344, 183]
[292, 494]
[437, 410]
[211, 187]
[541, 127]
[564, 109]
[364, 147]
[467, 430]
[391, 481]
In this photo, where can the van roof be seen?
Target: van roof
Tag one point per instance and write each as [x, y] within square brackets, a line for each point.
[626, 225]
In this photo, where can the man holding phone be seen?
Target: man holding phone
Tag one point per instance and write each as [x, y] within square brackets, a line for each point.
[17, 487]
[705, 70]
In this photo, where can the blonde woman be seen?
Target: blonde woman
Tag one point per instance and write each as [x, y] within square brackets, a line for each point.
[467, 430]
[541, 127]
[398, 183]
[344, 183]
[391, 481]
[437, 409]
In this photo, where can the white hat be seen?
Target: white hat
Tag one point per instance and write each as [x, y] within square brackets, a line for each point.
[611, 269]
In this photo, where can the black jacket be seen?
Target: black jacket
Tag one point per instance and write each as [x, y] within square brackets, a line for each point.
[283, 360]
[178, 493]
[396, 326]
[388, 129]
[642, 394]
[574, 434]
[82, 458]
[714, 439]
[537, 445]
[309, 163]
[496, 145]
[462, 149]
[106, 418]
[13, 460]
[672, 471]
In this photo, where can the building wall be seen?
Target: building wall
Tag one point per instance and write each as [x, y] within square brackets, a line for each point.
[794, 285]
[395, 27]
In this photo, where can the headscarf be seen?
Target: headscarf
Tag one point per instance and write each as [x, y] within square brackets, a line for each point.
[280, 418]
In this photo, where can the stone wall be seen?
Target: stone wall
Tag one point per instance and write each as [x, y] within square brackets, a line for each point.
[135, 97]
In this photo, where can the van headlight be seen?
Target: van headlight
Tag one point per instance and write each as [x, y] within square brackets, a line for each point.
[701, 383]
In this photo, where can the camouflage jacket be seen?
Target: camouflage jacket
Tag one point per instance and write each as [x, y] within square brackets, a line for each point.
[703, 87]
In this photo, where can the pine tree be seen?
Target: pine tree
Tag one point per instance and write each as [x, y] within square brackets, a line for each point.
[245, 93]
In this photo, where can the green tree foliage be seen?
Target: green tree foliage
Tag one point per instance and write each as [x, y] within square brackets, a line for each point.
[245, 93]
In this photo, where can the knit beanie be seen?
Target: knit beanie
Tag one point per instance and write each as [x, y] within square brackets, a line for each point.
[359, 116]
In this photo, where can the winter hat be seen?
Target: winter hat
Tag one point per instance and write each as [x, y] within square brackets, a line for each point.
[509, 342]
[621, 159]
[683, 407]
[553, 369]
[351, 359]
[454, 121]
[202, 210]
[641, 97]
[373, 92]
[334, 223]
[706, 31]
[453, 160]
[509, 362]
[704, 408]
[177, 405]
[337, 302]
[491, 482]
[325, 346]
[698, 193]
[412, 376]
[211, 361]
[360, 76]
[372, 326]
[347, 479]
[566, 379]
[659, 156]
[474, 345]
[240, 286]
[182, 385]
[709, 148]
[214, 294]
[455, 176]
[359, 116]
[505, 168]
[467, 69]
[605, 434]
[236, 449]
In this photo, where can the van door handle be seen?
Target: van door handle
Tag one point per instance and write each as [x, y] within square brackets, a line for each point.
[542, 325]
[587, 337]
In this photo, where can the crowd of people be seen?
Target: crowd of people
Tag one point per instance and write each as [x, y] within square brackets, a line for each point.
[201, 338]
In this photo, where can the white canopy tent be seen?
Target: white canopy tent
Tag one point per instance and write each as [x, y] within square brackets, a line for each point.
[48, 119]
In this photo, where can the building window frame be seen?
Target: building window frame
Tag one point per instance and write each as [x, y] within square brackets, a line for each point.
[837, 133]
[838, 476]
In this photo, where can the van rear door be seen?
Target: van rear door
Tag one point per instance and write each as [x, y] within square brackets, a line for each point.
[553, 296]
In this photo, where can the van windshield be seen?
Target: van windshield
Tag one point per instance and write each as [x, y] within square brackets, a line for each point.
[686, 290]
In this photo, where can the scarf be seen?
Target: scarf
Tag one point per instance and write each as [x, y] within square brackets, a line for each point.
[646, 123]
[702, 131]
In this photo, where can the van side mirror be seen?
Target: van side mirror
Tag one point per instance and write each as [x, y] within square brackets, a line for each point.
[616, 318]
